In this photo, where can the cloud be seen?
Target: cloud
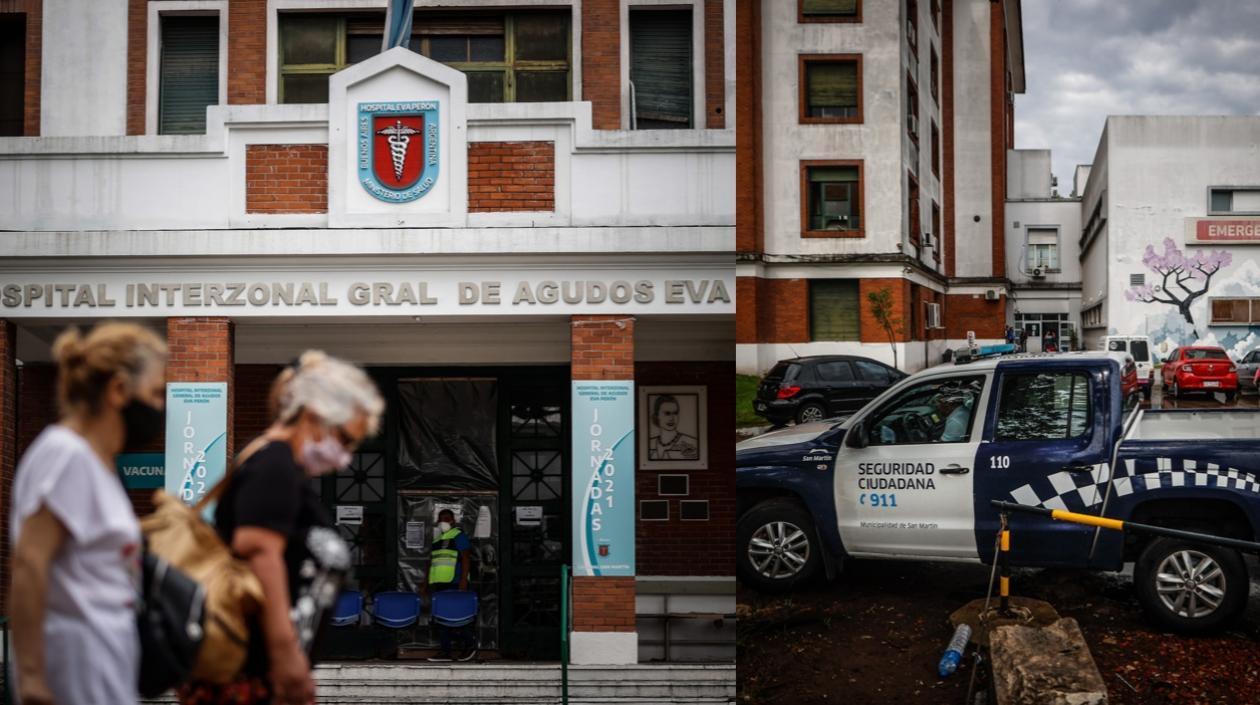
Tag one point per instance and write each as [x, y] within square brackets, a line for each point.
[1086, 59]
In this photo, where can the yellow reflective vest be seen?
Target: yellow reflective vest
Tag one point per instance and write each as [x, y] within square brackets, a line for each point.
[444, 558]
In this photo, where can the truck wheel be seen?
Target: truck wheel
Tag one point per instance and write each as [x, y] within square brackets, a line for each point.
[1190, 587]
[777, 547]
[1229, 397]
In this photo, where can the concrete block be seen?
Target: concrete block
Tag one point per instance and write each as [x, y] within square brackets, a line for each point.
[1048, 665]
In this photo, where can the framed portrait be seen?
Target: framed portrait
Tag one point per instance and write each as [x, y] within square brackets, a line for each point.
[673, 428]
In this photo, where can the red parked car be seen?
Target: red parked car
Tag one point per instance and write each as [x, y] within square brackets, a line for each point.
[1200, 368]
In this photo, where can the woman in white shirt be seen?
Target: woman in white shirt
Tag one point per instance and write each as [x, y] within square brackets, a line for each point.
[76, 557]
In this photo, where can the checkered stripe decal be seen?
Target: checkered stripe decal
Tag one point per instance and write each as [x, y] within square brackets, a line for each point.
[1074, 491]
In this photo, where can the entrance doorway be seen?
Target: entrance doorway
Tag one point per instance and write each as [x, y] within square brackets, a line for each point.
[491, 444]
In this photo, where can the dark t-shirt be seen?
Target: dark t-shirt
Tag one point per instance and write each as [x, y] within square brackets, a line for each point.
[269, 490]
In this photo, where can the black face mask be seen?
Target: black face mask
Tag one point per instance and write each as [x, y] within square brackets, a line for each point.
[142, 422]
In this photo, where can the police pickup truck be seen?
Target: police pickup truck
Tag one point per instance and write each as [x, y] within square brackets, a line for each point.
[911, 476]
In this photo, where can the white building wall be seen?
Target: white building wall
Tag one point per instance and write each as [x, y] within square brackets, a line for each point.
[83, 79]
[1064, 215]
[1028, 173]
[1160, 169]
[877, 141]
[973, 157]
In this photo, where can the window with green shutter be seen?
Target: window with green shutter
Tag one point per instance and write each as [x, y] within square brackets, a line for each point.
[661, 69]
[830, 10]
[833, 309]
[189, 73]
[515, 57]
[831, 88]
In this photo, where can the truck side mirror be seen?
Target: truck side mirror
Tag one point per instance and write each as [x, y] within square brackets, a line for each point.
[857, 436]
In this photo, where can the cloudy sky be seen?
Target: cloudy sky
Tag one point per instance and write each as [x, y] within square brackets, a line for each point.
[1086, 59]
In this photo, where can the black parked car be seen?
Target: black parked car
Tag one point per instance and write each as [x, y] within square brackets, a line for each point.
[813, 388]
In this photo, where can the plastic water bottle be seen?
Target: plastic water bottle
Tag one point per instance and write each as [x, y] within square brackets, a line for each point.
[954, 652]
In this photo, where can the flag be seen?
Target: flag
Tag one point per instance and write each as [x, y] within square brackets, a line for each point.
[397, 24]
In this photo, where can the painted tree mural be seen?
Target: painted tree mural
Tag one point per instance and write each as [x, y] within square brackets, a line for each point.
[1184, 278]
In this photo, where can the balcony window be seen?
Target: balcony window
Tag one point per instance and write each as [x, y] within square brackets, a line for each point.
[661, 69]
[1043, 250]
[12, 74]
[829, 10]
[188, 78]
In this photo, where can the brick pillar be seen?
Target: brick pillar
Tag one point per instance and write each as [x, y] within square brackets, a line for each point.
[602, 348]
[201, 350]
[601, 62]
[8, 447]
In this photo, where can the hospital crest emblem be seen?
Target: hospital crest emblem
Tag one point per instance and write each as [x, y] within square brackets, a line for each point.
[398, 153]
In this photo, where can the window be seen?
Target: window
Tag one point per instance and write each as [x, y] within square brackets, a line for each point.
[1236, 310]
[912, 207]
[833, 309]
[936, 231]
[912, 24]
[517, 57]
[832, 203]
[1035, 407]
[874, 372]
[1043, 249]
[831, 88]
[829, 10]
[12, 74]
[938, 411]
[936, 14]
[1232, 200]
[1204, 354]
[934, 142]
[189, 73]
[912, 109]
[834, 371]
[1140, 351]
[661, 69]
[933, 79]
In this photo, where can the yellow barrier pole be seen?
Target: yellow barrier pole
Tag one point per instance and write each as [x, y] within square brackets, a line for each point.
[1004, 564]
[1123, 526]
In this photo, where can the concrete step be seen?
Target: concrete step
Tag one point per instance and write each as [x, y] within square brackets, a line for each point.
[521, 683]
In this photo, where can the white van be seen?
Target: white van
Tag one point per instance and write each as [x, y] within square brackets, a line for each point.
[1139, 346]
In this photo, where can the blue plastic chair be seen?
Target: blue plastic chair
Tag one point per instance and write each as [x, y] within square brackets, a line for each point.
[347, 609]
[454, 608]
[396, 609]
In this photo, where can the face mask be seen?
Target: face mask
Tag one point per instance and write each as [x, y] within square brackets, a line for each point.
[324, 456]
[443, 527]
[142, 422]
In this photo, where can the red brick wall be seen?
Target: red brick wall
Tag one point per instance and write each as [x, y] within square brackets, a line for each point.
[247, 52]
[746, 300]
[286, 178]
[137, 47]
[748, 151]
[202, 350]
[34, 10]
[601, 61]
[947, 122]
[603, 604]
[782, 311]
[869, 329]
[511, 176]
[8, 446]
[253, 387]
[964, 312]
[37, 402]
[678, 547]
[997, 133]
[714, 66]
[602, 347]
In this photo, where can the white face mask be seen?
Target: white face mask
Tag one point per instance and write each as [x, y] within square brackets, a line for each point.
[443, 527]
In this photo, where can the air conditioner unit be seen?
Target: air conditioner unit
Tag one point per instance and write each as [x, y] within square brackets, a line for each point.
[927, 239]
[1038, 272]
[933, 315]
[991, 295]
[912, 121]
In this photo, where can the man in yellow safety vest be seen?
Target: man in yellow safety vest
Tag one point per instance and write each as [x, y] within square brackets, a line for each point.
[449, 565]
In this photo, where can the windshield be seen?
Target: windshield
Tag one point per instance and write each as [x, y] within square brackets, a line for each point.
[1140, 351]
[1206, 355]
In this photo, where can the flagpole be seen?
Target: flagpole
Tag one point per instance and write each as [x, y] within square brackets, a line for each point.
[397, 24]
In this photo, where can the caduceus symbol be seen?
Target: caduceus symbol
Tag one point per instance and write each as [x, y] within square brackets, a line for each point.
[398, 137]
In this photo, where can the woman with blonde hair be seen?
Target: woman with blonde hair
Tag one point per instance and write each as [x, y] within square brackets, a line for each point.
[76, 556]
[273, 519]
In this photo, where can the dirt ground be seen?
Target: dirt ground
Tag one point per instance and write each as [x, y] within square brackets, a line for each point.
[875, 636]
